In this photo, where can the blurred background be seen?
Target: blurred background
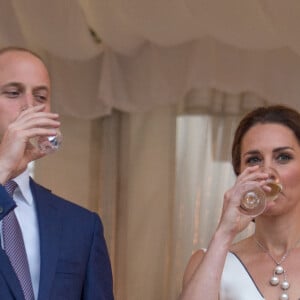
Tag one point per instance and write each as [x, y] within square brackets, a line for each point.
[149, 93]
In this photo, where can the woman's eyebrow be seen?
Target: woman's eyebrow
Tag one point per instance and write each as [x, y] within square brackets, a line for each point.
[283, 148]
[251, 152]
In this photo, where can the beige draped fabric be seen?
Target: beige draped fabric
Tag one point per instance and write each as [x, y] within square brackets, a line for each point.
[158, 182]
[141, 54]
[153, 60]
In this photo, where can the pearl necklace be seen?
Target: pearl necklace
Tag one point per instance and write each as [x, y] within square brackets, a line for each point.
[279, 270]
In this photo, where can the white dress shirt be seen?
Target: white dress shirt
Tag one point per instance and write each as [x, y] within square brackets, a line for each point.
[27, 217]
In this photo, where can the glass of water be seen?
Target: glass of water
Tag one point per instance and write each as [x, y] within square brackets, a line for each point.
[49, 144]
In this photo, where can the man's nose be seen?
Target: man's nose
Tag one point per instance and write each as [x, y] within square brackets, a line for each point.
[27, 101]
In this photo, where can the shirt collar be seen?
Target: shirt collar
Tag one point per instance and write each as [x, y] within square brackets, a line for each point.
[23, 186]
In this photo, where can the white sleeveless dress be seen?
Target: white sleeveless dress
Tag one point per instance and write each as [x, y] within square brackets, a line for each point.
[236, 282]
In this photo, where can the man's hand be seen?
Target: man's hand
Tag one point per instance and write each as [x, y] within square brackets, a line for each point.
[16, 151]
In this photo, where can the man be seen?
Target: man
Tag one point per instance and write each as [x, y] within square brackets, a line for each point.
[65, 247]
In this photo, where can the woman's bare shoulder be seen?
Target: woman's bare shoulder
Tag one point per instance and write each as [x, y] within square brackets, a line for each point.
[192, 265]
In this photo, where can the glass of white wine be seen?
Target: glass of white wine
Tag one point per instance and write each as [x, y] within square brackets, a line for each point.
[254, 198]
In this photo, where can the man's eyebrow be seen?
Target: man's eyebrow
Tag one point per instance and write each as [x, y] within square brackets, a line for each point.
[15, 84]
[42, 87]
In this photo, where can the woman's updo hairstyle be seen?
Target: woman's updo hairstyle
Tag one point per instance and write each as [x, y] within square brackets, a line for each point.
[269, 114]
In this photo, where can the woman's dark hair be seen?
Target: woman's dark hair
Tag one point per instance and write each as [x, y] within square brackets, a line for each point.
[269, 114]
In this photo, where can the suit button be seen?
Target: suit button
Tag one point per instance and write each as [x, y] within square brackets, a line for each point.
[1, 209]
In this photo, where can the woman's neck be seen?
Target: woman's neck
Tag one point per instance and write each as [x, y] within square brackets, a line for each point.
[278, 234]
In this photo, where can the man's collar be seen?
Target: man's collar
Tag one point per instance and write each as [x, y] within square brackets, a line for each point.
[23, 186]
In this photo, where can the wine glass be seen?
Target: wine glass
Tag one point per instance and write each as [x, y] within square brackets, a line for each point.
[254, 198]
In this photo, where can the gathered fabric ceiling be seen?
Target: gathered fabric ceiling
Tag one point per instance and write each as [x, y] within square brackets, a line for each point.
[135, 55]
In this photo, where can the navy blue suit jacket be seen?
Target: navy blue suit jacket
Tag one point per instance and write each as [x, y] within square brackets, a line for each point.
[74, 257]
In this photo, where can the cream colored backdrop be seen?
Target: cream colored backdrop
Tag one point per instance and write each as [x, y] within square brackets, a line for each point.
[157, 183]
[126, 55]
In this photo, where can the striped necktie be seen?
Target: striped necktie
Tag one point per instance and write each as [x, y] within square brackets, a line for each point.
[14, 247]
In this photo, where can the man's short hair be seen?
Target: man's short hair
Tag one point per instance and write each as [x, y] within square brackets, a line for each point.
[21, 49]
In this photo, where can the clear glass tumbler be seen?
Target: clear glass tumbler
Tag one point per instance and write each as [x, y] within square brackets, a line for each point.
[49, 144]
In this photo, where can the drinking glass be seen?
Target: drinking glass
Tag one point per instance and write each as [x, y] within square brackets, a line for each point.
[254, 199]
[46, 144]
[49, 144]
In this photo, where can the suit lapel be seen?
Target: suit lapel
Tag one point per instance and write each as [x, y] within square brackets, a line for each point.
[7, 271]
[49, 220]
[10, 276]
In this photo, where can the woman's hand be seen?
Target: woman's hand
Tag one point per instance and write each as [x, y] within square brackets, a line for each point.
[233, 220]
[204, 271]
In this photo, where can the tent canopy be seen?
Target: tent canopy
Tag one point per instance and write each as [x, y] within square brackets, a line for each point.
[137, 54]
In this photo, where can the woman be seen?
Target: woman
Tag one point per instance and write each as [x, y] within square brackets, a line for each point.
[246, 270]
